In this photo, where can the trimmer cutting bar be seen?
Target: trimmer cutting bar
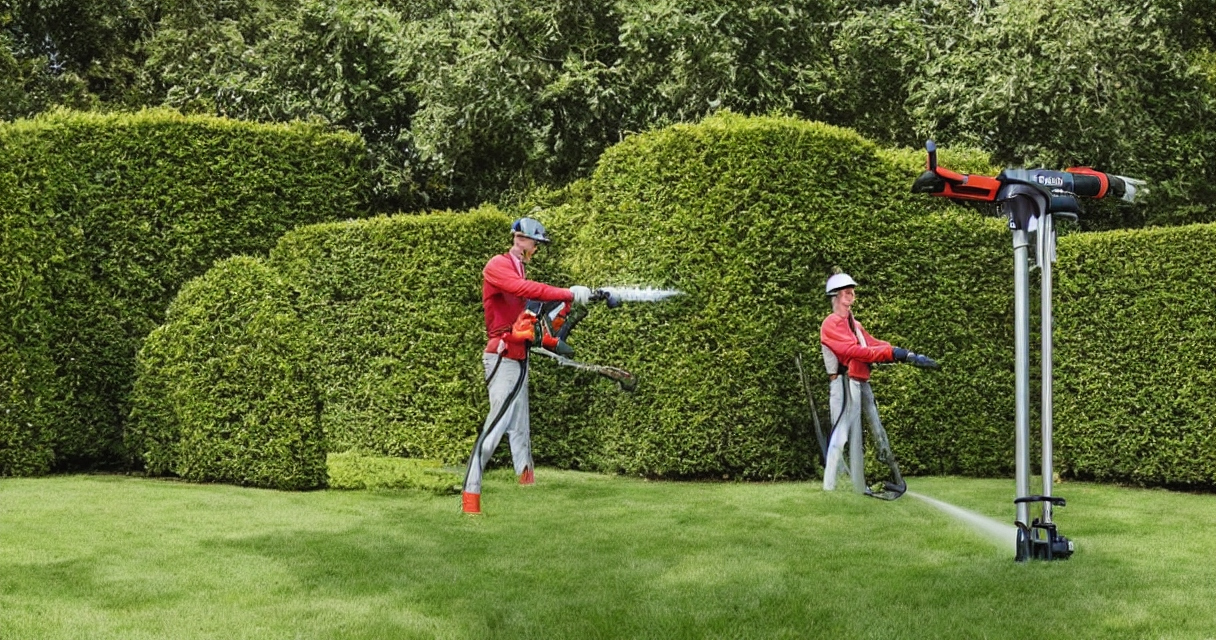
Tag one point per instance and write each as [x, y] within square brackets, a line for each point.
[639, 294]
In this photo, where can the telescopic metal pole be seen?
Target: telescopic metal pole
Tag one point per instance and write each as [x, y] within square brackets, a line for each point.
[1021, 368]
[1047, 241]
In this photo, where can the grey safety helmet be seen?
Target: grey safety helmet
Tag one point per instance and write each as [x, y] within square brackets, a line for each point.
[530, 228]
[839, 281]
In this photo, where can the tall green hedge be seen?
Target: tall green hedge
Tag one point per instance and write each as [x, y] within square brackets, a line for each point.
[224, 391]
[391, 311]
[103, 218]
[394, 304]
[747, 216]
[1136, 338]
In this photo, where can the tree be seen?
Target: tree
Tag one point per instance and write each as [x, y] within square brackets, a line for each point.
[1044, 83]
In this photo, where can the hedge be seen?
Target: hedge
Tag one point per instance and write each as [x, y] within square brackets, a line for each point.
[395, 306]
[1136, 342]
[104, 218]
[362, 471]
[392, 310]
[747, 216]
[224, 392]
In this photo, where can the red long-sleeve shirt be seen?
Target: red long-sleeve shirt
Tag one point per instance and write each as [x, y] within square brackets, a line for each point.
[835, 334]
[505, 291]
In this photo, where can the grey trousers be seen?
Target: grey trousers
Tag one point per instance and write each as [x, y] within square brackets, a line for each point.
[514, 421]
[851, 397]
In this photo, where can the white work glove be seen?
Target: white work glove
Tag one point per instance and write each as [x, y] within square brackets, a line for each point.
[582, 295]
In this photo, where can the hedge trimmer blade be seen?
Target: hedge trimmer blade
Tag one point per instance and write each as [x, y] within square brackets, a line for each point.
[626, 380]
[639, 294]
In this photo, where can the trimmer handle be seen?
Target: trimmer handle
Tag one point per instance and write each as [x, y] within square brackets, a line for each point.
[605, 295]
[940, 181]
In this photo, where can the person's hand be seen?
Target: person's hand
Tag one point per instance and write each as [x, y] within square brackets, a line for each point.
[921, 361]
[915, 359]
[582, 295]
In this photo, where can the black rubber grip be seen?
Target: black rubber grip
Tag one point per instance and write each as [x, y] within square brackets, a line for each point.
[1087, 186]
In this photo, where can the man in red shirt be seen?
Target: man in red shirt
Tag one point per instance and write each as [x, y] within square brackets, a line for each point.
[505, 292]
[849, 352]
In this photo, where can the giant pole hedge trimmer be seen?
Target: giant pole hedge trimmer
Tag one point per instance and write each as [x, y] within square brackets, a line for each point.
[1030, 198]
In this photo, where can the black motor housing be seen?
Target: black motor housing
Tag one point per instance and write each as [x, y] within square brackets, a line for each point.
[1041, 541]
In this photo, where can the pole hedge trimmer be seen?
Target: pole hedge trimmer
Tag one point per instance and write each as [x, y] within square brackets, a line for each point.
[555, 321]
[1030, 198]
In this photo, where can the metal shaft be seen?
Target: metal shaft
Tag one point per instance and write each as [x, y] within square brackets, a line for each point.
[1021, 368]
[857, 461]
[1047, 235]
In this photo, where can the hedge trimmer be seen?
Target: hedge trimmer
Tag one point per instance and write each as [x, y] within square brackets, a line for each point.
[555, 321]
[1030, 198]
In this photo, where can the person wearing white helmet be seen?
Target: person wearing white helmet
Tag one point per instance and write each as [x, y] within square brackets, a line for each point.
[849, 352]
[505, 293]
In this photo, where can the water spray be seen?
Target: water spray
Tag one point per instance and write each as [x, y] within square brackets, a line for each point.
[996, 532]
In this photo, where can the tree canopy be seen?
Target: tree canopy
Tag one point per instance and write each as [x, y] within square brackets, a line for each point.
[463, 101]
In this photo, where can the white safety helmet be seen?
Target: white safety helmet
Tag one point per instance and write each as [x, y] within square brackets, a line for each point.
[839, 281]
[530, 228]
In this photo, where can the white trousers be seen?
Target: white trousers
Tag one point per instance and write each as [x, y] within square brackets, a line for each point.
[513, 422]
[848, 398]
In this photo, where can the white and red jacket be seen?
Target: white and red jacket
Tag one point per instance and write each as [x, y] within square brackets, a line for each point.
[505, 291]
[853, 346]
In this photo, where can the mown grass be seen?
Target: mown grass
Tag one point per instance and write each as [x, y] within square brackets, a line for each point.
[590, 556]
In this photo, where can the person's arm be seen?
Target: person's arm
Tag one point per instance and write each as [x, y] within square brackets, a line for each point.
[837, 337]
[871, 340]
[900, 355]
[501, 273]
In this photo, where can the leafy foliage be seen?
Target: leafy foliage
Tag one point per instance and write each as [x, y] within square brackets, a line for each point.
[473, 101]
[104, 217]
[346, 64]
[224, 393]
[479, 100]
[747, 216]
[1052, 84]
[394, 304]
[357, 470]
[744, 215]
[71, 53]
[463, 101]
[1135, 339]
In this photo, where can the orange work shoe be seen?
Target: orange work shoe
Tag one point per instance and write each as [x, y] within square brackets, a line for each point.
[526, 478]
[471, 503]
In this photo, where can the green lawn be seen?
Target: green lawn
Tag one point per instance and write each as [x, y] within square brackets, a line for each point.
[589, 556]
